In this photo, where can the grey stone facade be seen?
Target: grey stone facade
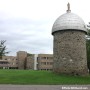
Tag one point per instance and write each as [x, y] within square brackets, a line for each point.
[30, 62]
[70, 52]
[45, 62]
[27, 61]
[21, 56]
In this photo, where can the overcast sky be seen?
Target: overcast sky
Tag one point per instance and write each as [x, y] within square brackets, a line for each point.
[26, 24]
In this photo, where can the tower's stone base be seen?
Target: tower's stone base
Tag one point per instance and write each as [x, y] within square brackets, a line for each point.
[70, 52]
[72, 72]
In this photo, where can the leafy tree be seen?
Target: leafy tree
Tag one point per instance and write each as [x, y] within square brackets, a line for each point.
[88, 53]
[88, 45]
[29, 54]
[2, 48]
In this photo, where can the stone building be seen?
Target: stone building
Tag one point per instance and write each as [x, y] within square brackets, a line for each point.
[69, 44]
[45, 62]
[9, 62]
[21, 57]
[28, 62]
[4, 64]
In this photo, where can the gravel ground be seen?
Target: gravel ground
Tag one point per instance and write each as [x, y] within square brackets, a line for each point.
[44, 87]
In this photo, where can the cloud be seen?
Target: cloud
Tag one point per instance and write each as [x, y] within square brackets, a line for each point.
[27, 24]
[25, 34]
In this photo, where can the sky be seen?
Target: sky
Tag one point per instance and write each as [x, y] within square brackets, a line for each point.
[26, 25]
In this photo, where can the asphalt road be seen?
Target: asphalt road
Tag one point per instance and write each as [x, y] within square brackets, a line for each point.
[44, 87]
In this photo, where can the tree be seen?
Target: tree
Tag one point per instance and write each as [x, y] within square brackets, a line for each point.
[88, 45]
[2, 48]
[88, 53]
[29, 54]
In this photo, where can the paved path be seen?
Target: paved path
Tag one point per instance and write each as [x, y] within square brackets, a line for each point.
[44, 87]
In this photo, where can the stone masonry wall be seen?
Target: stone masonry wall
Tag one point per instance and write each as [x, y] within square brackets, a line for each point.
[21, 56]
[70, 52]
[45, 61]
[30, 62]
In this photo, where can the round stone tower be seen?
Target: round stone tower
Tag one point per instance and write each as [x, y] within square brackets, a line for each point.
[69, 44]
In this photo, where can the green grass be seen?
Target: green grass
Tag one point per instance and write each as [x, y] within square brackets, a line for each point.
[39, 78]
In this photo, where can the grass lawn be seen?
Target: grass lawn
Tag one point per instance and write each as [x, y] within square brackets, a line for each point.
[39, 78]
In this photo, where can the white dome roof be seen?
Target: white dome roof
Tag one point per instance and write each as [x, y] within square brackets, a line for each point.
[69, 21]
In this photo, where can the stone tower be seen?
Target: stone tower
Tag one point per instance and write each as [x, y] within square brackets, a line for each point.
[69, 44]
[21, 57]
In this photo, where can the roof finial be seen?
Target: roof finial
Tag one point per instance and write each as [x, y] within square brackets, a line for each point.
[68, 6]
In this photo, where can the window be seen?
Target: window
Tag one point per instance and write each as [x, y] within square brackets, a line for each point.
[49, 63]
[49, 57]
[44, 58]
[3, 62]
[43, 63]
[37, 58]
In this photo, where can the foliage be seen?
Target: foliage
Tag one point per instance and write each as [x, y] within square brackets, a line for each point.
[88, 53]
[31, 77]
[29, 54]
[88, 46]
[2, 48]
[88, 30]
